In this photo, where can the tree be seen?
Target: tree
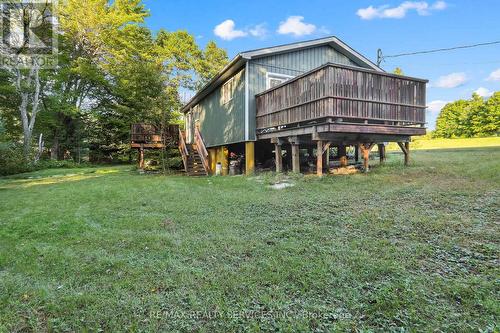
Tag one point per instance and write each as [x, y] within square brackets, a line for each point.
[27, 82]
[105, 74]
[212, 62]
[487, 120]
[111, 72]
[398, 71]
[469, 118]
[448, 123]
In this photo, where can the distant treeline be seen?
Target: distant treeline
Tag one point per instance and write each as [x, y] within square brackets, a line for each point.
[474, 117]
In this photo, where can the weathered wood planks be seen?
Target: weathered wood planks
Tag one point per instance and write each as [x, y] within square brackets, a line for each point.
[343, 92]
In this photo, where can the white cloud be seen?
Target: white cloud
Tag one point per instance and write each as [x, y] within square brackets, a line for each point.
[436, 106]
[324, 30]
[294, 25]
[452, 80]
[494, 76]
[226, 30]
[398, 12]
[439, 5]
[259, 30]
[483, 92]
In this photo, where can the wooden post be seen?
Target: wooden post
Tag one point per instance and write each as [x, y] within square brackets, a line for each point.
[225, 161]
[366, 158]
[295, 158]
[342, 156]
[141, 157]
[326, 161]
[405, 147]
[319, 158]
[407, 155]
[249, 157]
[212, 159]
[365, 150]
[381, 153]
[278, 157]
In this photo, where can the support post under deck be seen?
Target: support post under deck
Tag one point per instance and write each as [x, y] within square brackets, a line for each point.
[295, 157]
[278, 158]
[405, 147]
[407, 155]
[365, 150]
[342, 156]
[141, 157]
[319, 158]
[381, 153]
[249, 157]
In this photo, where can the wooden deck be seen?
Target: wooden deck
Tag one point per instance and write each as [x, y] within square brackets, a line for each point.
[341, 106]
[149, 136]
[355, 100]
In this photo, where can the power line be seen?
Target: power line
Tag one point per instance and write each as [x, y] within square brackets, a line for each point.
[381, 57]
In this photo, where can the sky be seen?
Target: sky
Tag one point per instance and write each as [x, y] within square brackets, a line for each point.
[394, 26]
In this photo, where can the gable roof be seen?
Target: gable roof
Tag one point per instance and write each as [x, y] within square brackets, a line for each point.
[241, 58]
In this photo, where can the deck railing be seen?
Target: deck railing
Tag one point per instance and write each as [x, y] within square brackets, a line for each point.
[150, 134]
[183, 149]
[200, 147]
[338, 91]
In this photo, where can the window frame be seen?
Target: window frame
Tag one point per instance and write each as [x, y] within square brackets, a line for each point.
[270, 76]
[227, 88]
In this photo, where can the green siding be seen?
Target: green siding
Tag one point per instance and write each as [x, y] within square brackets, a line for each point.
[291, 63]
[223, 123]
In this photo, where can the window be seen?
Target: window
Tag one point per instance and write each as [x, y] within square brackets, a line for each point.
[274, 79]
[227, 91]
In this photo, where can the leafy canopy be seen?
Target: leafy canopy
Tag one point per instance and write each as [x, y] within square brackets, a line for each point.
[469, 118]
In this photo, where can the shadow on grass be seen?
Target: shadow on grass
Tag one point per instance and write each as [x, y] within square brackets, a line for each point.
[56, 176]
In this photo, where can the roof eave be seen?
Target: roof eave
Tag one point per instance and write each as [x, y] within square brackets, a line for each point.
[231, 67]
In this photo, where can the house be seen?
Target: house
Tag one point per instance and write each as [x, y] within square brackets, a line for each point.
[278, 106]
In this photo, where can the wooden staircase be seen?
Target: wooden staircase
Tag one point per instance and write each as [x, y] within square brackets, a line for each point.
[194, 165]
[194, 156]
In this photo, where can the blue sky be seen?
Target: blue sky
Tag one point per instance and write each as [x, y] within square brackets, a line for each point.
[395, 26]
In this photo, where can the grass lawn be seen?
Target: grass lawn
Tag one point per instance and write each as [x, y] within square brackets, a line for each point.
[425, 143]
[109, 249]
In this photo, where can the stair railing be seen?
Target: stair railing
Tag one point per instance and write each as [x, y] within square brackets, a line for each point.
[202, 150]
[183, 149]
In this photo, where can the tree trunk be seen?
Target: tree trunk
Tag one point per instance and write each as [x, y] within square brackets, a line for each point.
[40, 148]
[28, 86]
[54, 151]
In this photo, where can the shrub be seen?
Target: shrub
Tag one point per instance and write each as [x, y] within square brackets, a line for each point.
[12, 159]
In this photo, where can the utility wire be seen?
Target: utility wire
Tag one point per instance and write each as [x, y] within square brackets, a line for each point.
[381, 57]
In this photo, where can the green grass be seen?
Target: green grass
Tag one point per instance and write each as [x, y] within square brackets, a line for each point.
[397, 249]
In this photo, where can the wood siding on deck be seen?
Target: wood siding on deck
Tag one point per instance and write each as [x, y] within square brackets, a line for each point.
[343, 92]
